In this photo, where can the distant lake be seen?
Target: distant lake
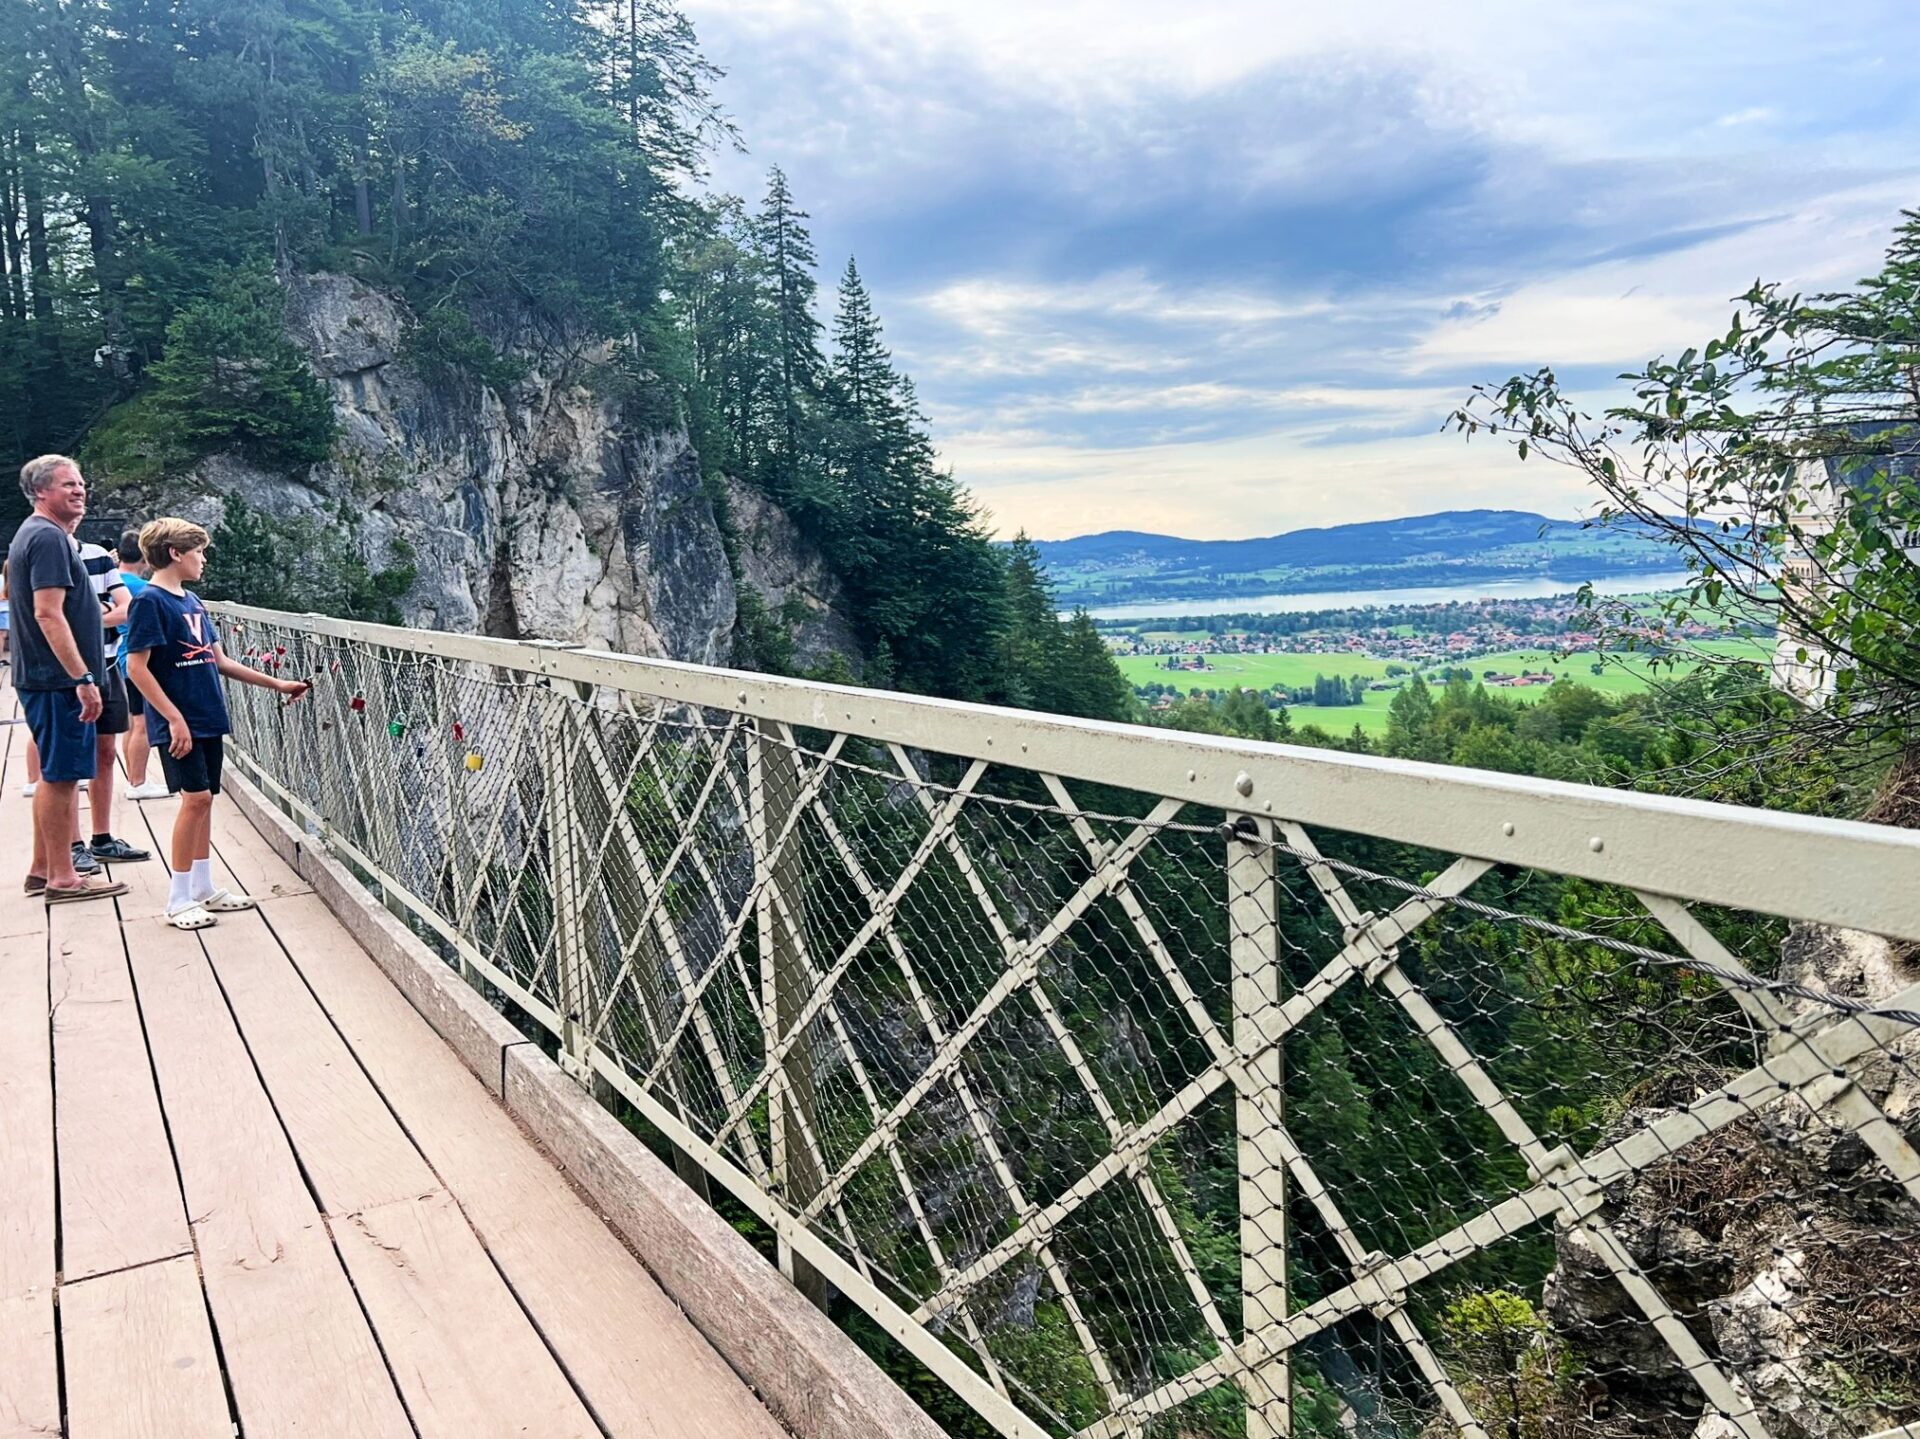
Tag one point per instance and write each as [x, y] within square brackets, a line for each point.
[1641, 582]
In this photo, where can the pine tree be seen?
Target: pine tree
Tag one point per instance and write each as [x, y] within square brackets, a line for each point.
[1091, 684]
[787, 258]
[1032, 652]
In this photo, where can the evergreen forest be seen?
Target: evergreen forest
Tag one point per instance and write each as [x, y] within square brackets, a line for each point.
[521, 172]
[533, 169]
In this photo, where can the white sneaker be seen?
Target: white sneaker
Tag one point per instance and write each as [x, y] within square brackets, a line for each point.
[152, 789]
[28, 789]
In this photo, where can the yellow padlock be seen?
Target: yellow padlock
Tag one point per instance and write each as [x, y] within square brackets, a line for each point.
[474, 762]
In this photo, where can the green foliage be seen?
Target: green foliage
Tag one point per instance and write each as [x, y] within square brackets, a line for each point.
[230, 377]
[516, 159]
[300, 564]
[1781, 461]
[446, 347]
[132, 445]
[1245, 713]
[1045, 663]
[1503, 1359]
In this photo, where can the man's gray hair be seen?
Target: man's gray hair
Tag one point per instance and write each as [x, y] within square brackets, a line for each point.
[37, 474]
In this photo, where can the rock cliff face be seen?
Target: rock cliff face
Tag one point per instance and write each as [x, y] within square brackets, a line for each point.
[791, 576]
[542, 515]
[1783, 1243]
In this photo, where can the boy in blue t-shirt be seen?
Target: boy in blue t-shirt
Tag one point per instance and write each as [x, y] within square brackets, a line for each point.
[133, 573]
[175, 660]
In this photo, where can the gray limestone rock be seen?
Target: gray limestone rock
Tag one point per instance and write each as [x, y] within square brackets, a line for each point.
[1782, 1243]
[543, 513]
[791, 575]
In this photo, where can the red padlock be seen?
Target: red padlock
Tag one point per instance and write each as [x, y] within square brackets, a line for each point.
[459, 731]
[357, 705]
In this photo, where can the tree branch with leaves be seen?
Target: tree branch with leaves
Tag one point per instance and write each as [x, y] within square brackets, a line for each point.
[1781, 460]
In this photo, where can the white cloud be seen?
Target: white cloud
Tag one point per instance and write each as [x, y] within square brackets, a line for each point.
[1214, 268]
[1626, 311]
[989, 305]
[1251, 486]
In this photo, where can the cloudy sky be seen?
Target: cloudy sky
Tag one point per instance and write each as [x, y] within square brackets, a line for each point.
[1221, 267]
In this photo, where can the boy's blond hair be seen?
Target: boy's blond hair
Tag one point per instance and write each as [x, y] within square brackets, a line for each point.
[160, 538]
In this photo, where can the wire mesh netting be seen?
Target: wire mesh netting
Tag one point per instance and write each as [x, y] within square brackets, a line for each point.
[1164, 1120]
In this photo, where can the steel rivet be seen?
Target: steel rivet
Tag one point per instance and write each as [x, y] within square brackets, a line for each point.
[1596, 844]
[1192, 775]
[1268, 806]
[742, 696]
[1243, 782]
[1507, 828]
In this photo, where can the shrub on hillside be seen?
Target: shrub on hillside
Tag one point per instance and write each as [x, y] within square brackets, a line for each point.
[304, 563]
[231, 379]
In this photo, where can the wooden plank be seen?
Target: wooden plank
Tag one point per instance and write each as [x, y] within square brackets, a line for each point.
[140, 1358]
[29, 1367]
[26, 1119]
[151, 827]
[300, 1357]
[352, 1148]
[241, 859]
[295, 1341]
[465, 1357]
[249, 859]
[601, 1313]
[19, 914]
[119, 1196]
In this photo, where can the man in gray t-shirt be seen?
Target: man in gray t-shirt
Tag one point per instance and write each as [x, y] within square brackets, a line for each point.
[60, 657]
[43, 556]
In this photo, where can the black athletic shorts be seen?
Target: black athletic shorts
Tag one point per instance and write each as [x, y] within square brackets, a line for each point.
[136, 702]
[199, 772]
[113, 702]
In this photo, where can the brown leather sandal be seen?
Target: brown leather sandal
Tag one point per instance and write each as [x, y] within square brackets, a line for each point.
[73, 894]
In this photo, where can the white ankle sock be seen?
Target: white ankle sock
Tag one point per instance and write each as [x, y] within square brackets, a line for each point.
[202, 877]
[179, 890]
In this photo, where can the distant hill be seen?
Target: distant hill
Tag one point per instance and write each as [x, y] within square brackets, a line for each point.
[1452, 547]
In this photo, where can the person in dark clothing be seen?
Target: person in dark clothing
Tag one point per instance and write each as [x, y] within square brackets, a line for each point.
[59, 657]
[174, 658]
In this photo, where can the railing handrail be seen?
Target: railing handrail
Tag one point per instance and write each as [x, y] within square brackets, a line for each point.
[1805, 867]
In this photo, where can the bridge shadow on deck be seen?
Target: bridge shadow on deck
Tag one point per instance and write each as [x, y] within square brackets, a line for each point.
[243, 1183]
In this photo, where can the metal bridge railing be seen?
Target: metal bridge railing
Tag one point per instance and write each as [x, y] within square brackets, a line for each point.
[1145, 1083]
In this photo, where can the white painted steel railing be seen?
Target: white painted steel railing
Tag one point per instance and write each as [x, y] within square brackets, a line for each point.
[1146, 1083]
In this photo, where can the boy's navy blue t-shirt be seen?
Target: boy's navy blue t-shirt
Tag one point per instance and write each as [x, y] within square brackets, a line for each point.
[178, 632]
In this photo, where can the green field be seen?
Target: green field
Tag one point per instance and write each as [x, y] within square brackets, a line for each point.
[1622, 674]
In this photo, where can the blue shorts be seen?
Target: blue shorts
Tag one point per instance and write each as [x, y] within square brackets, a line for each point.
[66, 745]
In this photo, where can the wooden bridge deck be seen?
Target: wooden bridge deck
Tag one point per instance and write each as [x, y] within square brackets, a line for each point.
[244, 1189]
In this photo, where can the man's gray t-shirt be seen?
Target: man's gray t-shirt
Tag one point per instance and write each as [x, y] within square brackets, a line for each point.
[43, 557]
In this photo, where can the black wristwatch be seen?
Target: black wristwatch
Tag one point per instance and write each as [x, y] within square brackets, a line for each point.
[85, 680]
